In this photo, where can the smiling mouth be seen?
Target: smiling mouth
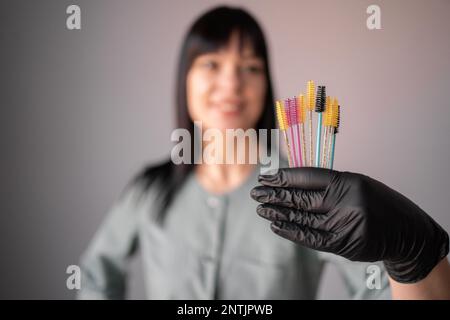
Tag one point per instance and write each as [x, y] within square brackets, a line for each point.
[227, 108]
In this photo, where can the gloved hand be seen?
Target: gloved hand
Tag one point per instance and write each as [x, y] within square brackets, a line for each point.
[354, 216]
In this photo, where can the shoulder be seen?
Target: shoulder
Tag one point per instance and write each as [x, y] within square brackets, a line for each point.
[149, 177]
[152, 172]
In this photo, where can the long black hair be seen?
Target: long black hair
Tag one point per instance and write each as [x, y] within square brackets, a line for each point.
[209, 33]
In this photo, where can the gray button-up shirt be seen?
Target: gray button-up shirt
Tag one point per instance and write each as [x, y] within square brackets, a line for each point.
[210, 247]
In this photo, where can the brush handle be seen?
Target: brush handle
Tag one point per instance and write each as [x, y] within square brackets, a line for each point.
[293, 146]
[330, 141]
[333, 142]
[319, 136]
[303, 142]
[288, 147]
[311, 150]
[298, 145]
[326, 134]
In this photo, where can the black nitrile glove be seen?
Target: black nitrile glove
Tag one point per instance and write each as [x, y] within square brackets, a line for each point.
[353, 216]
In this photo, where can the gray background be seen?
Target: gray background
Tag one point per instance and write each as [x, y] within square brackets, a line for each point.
[82, 111]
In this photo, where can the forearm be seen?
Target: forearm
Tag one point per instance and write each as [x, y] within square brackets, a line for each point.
[435, 286]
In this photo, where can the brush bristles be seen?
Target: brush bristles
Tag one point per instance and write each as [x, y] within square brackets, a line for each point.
[294, 111]
[338, 119]
[281, 115]
[332, 113]
[294, 118]
[310, 95]
[326, 120]
[320, 99]
[287, 108]
[301, 108]
[285, 121]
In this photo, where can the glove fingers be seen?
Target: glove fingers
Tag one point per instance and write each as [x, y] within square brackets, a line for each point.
[307, 178]
[308, 237]
[306, 200]
[277, 213]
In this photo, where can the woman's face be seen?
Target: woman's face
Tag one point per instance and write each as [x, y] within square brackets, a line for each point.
[226, 89]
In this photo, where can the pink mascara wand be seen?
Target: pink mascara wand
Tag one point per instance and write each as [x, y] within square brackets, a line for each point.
[287, 104]
[296, 129]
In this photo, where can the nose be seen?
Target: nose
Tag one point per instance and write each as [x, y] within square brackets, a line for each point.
[230, 80]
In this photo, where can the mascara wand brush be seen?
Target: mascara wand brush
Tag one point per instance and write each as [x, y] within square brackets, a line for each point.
[331, 122]
[326, 132]
[336, 119]
[291, 118]
[295, 127]
[301, 112]
[310, 97]
[282, 124]
[320, 107]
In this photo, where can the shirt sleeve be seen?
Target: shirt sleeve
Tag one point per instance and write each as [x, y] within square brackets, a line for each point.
[103, 264]
[363, 280]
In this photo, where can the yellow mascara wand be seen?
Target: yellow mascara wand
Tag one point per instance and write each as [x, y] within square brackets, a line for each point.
[311, 104]
[301, 105]
[335, 119]
[283, 125]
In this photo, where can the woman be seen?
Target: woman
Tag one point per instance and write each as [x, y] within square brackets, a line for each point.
[195, 224]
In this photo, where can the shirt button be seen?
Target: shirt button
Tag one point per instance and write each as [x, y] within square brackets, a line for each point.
[213, 202]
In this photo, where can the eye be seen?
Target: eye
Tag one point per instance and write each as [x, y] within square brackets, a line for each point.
[210, 64]
[253, 69]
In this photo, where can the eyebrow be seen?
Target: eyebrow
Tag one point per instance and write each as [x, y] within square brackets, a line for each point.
[251, 55]
[248, 55]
